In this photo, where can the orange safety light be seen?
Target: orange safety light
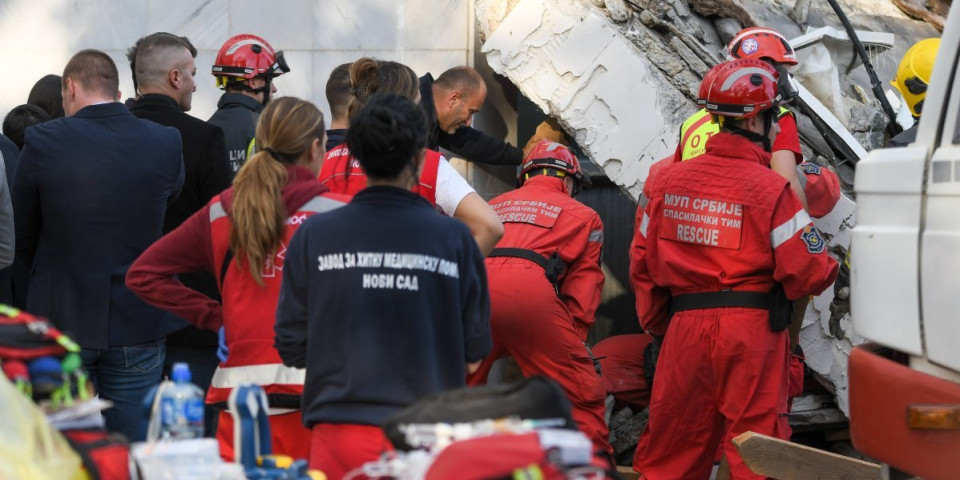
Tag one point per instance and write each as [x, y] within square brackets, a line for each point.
[934, 417]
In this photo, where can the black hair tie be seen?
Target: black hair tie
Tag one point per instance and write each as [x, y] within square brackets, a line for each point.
[271, 152]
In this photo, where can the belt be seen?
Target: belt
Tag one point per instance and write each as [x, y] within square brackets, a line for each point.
[721, 299]
[553, 267]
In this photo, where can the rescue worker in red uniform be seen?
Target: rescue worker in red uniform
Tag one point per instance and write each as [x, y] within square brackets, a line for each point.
[545, 281]
[724, 243]
[771, 47]
[241, 238]
[439, 183]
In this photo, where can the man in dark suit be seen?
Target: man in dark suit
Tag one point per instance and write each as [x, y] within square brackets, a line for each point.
[90, 192]
[164, 69]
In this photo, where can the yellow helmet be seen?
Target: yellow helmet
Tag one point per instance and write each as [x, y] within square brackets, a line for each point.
[913, 74]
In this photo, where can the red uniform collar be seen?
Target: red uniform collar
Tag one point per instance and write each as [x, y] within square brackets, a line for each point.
[725, 144]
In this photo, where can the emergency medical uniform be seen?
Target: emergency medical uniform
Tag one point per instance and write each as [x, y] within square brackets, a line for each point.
[237, 116]
[202, 243]
[721, 222]
[381, 312]
[544, 328]
[439, 183]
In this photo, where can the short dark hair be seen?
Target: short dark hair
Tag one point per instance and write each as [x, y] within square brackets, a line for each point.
[149, 50]
[21, 117]
[47, 94]
[338, 90]
[95, 71]
[387, 134]
[461, 78]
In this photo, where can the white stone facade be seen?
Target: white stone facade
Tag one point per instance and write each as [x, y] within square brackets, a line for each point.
[39, 36]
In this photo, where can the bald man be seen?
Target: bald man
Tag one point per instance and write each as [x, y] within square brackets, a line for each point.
[450, 102]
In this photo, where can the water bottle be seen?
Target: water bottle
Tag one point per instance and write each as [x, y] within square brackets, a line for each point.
[181, 407]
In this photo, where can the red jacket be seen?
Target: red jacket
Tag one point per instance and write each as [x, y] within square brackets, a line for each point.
[342, 174]
[247, 314]
[541, 216]
[724, 221]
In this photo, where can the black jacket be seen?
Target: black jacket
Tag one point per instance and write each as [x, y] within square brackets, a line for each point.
[396, 322]
[237, 116]
[89, 197]
[467, 142]
[207, 173]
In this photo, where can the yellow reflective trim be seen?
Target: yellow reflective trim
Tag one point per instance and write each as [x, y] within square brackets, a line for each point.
[694, 142]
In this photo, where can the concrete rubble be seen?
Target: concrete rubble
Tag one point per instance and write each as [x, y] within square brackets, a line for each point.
[621, 76]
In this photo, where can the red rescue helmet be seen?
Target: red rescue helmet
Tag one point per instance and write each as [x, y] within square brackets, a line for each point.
[739, 88]
[246, 56]
[553, 159]
[759, 43]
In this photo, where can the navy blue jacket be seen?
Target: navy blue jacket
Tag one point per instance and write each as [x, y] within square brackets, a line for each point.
[383, 302]
[89, 197]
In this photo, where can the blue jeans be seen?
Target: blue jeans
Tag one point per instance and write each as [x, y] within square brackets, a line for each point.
[124, 375]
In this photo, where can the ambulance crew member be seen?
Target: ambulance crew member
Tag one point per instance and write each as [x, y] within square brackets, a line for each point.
[545, 282]
[241, 237]
[439, 183]
[771, 47]
[244, 68]
[383, 301]
[724, 243]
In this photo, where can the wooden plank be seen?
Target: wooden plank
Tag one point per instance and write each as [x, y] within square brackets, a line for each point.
[627, 473]
[783, 460]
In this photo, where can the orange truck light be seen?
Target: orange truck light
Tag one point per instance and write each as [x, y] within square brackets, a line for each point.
[934, 417]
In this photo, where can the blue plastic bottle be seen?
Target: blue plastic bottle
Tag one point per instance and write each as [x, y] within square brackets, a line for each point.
[181, 407]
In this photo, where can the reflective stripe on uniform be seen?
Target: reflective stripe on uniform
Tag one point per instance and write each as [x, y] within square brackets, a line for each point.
[643, 201]
[644, 224]
[595, 236]
[788, 229]
[320, 205]
[694, 134]
[217, 211]
[270, 374]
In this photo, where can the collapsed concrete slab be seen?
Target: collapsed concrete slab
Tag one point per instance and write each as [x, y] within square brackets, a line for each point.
[569, 59]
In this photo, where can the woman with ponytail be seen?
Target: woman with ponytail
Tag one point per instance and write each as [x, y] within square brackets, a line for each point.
[438, 183]
[241, 237]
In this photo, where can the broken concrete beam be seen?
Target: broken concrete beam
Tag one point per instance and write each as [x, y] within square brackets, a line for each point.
[918, 9]
[568, 59]
[735, 9]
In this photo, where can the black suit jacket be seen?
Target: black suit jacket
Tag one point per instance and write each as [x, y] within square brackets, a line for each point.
[90, 194]
[208, 172]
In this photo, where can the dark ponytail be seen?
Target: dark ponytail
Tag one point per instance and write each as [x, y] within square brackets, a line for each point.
[387, 135]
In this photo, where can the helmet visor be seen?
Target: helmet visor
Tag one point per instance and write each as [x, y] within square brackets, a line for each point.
[279, 66]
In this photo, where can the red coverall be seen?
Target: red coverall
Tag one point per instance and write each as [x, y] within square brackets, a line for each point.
[722, 222]
[543, 332]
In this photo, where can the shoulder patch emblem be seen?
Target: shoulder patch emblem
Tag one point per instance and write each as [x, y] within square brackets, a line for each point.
[749, 46]
[810, 168]
[812, 239]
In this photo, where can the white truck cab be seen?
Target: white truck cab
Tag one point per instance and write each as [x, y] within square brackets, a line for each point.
[905, 288]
